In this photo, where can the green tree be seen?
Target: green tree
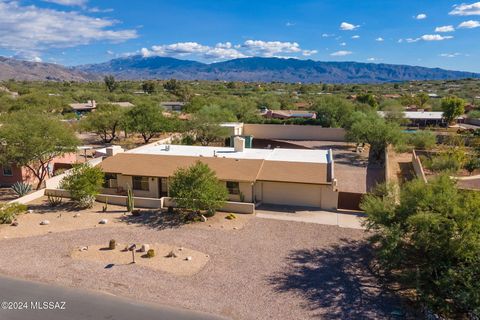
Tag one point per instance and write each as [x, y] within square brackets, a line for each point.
[149, 87]
[206, 124]
[374, 130]
[148, 121]
[429, 242]
[33, 141]
[422, 140]
[452, 107]
[368, 98]
[422, 99]
[83, 182]
[105, 122]
[333, 111]
[110, 83]
[197, 189]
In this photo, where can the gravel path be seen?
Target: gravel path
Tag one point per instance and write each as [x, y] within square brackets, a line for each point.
[267, 270]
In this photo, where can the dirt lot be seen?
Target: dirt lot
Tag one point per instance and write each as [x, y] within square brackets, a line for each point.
[267, 269]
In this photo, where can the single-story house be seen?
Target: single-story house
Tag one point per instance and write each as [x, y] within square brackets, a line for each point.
[173, 106]
[425, 118]
[289, 114]
[84, 107]
[10, 174]
[257, 176]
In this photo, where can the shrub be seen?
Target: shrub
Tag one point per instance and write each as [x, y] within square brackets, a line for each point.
[445, 163]
[21, 188]
[472, 164]
[8, 212]
[112, 244]
[231, 216]
[54, 201]
[422, 140]
[150, 253]
[84, 183]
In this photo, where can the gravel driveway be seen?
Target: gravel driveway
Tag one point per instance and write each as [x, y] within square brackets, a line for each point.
[268, 270]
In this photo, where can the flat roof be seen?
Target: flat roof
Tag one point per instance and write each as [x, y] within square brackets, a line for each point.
[277, 154]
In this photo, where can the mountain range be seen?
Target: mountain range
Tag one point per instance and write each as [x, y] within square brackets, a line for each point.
[243, 69]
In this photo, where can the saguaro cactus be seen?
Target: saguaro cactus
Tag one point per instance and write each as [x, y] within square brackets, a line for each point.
[130, 200]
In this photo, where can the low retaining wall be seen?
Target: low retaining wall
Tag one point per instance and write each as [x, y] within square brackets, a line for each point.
[230, 206]
[417, 167]
[30, 197]
[293, 132]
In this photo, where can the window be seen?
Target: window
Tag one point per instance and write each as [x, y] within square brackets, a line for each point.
[233, 187]
[7, 171]
[108, 183]
[140, 183]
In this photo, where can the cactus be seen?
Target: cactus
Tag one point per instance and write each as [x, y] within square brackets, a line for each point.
[130, 200]
[21, 188]
[112, 244]
[150, 253]
[105, 206]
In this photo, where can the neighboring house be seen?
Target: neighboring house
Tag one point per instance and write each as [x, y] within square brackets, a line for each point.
[84, 107]
[289, 114]
[269, 176]
[10, 174]
[173, 106]
[425, 118]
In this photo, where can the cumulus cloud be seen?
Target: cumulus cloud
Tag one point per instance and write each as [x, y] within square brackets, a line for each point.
[341, 53]
[445, 29]
[343, 44]
[227, 50]
[372, 59]
[79, 3]
[450, 55]
[470, 24]
[421, 16]
[31, 30]
[327, 35]
[427, 37]
[466, 9]
[356, 37]
[380, 39]
[348, 26]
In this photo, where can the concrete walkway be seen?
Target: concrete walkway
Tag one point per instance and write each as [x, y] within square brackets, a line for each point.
[343, 219]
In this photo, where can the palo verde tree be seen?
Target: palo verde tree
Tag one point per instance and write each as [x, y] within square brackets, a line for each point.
[84, 183]
[105, 122]
[197, 189]
[33, 141]
[429, 242]
[148, 121]
[110, 83]
[452, 108]
[206, 124]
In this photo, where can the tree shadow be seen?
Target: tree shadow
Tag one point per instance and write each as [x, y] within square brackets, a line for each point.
[155, 219]
[338, 283]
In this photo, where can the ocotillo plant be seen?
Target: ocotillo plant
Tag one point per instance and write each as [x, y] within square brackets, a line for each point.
[130, 201]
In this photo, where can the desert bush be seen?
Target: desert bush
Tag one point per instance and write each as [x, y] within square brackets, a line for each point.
[84, 183]
[21, 188]
[231, 216]
[8, 212]
[54, 201]
[150, 253]
[422, 140]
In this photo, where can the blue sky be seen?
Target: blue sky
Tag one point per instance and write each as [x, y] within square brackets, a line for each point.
[433, 33]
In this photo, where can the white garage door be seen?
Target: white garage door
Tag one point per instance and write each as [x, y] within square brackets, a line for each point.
[293, 194]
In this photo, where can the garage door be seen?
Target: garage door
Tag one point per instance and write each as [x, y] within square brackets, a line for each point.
[293, 194]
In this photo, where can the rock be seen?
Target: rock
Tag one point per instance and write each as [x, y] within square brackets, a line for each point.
[103, 221]
[171, 254]
[14, 224]
[30, 211]
[76, 215]
[44, 223]
[180, 249]
[235, 228]
[188, 258]
[203, 218]
[145, 248]
[210, 225]
[83, 249]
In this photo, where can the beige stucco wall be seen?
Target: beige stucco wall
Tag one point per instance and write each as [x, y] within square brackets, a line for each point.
[246, 189]
[126, 181]
[417, 167]
[293, 132]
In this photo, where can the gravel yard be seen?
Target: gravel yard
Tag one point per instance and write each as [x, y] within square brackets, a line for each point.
[266, 270]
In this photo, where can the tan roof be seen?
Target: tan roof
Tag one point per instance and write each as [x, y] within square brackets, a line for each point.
[300, 172]
[165, 166]
[250, 170]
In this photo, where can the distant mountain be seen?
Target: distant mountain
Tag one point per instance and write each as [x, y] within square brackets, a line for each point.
[267, 70]
[245, 69]
[37, 71]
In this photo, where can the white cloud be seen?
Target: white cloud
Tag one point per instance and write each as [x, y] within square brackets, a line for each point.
[31, 30]
[341, 53]
[421, 16]
[380, 39]
[450, 55]
[470, 24]
[466, 9]
[348, 26]
[356, 37]
[289, 24]
[343, 44]
[427, 37]
[327, 35]
[445, 29]
[79, 3]
[227, 50]
[372, 59]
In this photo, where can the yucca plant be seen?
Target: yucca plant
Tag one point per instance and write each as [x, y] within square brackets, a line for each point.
[21, 188]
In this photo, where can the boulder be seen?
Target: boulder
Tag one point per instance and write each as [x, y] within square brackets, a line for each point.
[44, 223]
[145, 247]
[14, 223]
[188, 258]
[103, 221]
[76, 215]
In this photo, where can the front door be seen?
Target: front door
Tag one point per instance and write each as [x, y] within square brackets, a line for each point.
[163, 187]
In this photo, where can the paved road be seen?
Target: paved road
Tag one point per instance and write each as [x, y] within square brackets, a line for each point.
[81, 305]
